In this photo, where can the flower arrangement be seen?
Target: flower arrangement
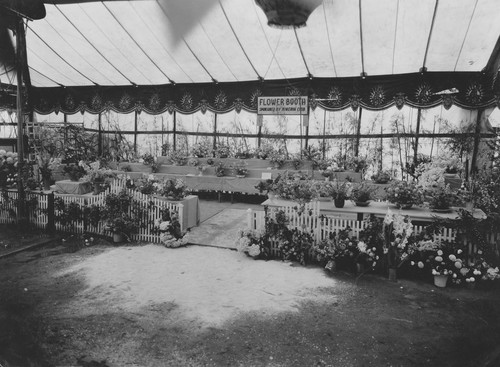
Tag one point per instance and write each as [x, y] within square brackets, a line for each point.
[95, 173]
[322, 189]
[361, 193]
[8, 168]
[222, 150]
[296, 190]
[169, 230]
[253, 243]
[147, 184]
[220, 169]
[174, 188]
[74, 171]
[404, 194]
[240, 168]
[381, 177]
[177, 158]
[200, 150]
[263, 152]
[193, 162]
[47, 165]
[149, 160]
[339, 246]
[278, 158]
[122, 223]
[398, 231]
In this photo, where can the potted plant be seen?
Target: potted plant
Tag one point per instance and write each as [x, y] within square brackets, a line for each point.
[47, 165]
[381, 177]
[97, 176]
[220, 169]
[441, 199]
[323, 190]
[398, 232]
[340, 191]
[278, 159]
[177, 158]
[240, 169]
[149, 160]
[222, 150]
[404, 194]
[74, 171]
[169, 229]
[200, 150]
[446, 264]
[361, 194]
[173, 188]
[118, 215]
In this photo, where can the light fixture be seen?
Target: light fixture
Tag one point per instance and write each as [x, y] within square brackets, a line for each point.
[288, 13]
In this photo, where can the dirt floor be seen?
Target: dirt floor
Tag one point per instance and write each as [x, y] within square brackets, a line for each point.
[94, 304]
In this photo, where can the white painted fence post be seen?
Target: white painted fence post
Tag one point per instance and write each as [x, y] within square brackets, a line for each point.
[249, 218]
[181, 215]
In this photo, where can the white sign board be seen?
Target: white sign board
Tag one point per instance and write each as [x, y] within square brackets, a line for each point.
[289, 105]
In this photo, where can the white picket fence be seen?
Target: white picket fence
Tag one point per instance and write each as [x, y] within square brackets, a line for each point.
[39, 217]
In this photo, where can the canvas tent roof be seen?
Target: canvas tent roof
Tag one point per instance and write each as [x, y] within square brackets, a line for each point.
[91, 47]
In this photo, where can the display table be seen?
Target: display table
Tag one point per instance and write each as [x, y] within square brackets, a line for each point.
[379, 209]
[73, 187]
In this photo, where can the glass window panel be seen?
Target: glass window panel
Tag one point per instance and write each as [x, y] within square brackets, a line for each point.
[237, 123]
[52, 117]
[149, 143]
[196, 122]
[283, 125]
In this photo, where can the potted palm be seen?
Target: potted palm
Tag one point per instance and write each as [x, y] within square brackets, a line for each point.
[361, 194]
[340, 192]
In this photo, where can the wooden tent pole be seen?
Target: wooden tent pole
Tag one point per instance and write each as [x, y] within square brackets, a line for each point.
[20, 60]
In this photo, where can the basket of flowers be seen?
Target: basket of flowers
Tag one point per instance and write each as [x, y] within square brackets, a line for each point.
[361, 194]
[240, 168]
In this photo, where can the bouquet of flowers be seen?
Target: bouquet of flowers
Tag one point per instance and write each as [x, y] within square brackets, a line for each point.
[338, 246]
[404, 194]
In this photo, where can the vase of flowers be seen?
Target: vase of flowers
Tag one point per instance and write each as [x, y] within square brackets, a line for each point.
[404, 194]
[440, 280]
[47, 165]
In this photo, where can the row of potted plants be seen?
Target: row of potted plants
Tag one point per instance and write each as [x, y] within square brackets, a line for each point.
[386, 246]
[404, 194]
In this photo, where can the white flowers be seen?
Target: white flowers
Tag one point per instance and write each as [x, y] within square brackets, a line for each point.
[254, 250]
[164, 225]
[362, 246]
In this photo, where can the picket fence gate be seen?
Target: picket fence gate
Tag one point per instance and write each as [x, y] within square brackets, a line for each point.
[43, 215]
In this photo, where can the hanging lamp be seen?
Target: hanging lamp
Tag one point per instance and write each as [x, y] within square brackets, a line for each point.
[288, 13]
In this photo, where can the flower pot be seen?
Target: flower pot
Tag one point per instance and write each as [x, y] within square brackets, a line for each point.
[339, 202]
[393, 275]
[362, 203]
[440, 280]
[117, 237]
[331, 266]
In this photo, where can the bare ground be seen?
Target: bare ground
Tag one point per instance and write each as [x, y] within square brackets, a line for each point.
[54, 311]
